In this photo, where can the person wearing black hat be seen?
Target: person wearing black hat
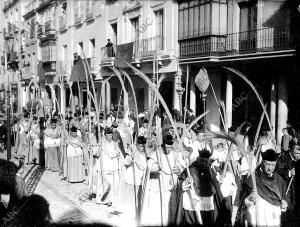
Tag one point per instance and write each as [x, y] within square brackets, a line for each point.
[113, 168]
[164, 166]
[52, 144]
[205, 191]
[271, 200]
[136, 165]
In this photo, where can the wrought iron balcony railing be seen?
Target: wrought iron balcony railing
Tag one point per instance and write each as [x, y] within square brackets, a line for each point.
[8, 4]
[261, 40]
[108, 52]
[148, 47]
[62, 22]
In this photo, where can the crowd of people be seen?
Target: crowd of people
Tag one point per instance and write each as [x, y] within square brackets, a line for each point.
[138, 165]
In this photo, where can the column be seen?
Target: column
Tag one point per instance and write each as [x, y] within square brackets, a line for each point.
[228, 103]
[273, 105]
[282, 106]
[175, 95]
[103, 97]
[108, 98]
[62, 99]
[193, 95]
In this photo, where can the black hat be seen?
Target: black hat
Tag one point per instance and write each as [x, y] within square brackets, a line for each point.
[73, 129]
[53, 121]
[145, 121]
[168, 139]
[269, 155]
[107, 130]
[101, 116]
[26, 114]
[204, 153]
[231, 129]
[114, 125]
[141, 140]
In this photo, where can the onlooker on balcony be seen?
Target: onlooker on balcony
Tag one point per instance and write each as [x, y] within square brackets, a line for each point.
[109, 48]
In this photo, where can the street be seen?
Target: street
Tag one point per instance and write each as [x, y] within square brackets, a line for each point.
[68, 202]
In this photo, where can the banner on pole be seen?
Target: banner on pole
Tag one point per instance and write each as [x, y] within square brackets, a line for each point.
[202, 80]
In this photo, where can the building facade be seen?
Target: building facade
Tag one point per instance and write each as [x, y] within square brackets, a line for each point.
[255, 37]
[13, 49]
[169, 41]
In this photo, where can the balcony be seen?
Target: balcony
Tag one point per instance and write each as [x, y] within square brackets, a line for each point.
[255, 41]
[149, 47]
[62, 22]
[50, 68]
[90, 13]
[108, 55]
[41, 4]
[8, 4]
[78, 18]
[49, 28]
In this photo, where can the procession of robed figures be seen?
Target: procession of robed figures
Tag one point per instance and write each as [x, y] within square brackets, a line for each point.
[170, 169]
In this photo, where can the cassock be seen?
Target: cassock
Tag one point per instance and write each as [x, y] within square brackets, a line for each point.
[37, 144]
[52, 145]
[159, 208]
[271, 192]
[285, 163]
[113, 172]
[206, 197]
[75, 163]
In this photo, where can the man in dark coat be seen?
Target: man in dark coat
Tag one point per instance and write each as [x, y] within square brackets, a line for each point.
[265, 207]
[203, 189]
[288, 167]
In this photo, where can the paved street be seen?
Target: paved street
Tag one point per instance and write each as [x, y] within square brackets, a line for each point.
[68, 203]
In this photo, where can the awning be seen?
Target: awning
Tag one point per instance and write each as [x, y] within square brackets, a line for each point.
[78, 72]
[171, 68]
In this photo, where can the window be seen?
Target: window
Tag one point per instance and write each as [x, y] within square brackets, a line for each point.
[114, 38]
[202, 17]
[134, 29]
[159, 29]
[49, 51]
